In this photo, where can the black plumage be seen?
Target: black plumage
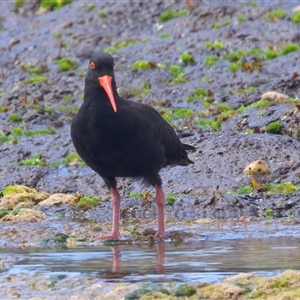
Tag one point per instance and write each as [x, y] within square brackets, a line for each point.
[122, 138]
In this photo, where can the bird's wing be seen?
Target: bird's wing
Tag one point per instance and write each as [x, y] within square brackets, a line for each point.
[162, 131]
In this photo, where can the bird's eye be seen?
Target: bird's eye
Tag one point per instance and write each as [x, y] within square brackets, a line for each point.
[92, 65]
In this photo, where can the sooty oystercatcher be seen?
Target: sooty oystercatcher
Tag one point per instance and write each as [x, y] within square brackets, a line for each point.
[122, 138]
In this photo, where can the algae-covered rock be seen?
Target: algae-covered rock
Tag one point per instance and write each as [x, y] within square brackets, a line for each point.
[137, 294]
[59, 238]
[248, 286]
[40, 196]
[10, 201]
[283, 286]
[18, 189]
[119, 292]
[21, 196]
[148, 293]
[25, 214]
[185, 290]
[158, 295]
[4, 212]
[58, 199]
[239, 277]
[242, 286]
[24, 204]
[220, 291]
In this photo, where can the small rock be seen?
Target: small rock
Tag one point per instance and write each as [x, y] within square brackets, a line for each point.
[2, 265]
[258, 167]
[148, 232]
[12, 42]
[274, 96]
[296, 9]
[191, 5]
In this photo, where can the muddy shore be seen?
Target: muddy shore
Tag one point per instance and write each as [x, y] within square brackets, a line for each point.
[204, 66]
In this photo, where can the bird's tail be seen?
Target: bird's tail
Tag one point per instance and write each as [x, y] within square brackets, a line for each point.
[189, 147]
[184, 161]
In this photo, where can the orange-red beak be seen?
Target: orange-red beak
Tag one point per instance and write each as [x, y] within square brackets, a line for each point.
[105, 82]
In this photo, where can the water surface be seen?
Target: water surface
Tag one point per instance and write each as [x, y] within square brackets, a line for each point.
[195, 261]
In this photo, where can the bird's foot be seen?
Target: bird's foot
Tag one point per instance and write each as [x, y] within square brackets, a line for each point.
[112, 236]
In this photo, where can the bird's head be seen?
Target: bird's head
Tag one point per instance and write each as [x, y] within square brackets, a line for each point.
[101, 70]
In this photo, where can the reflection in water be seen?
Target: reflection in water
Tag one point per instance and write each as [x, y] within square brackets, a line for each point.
[202, 261]
[117, 265]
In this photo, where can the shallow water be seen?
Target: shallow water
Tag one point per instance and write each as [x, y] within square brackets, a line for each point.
[203, 250]
[205, 261]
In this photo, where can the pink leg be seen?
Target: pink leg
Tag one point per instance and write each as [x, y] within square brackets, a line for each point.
[160, 201]
[115, 233]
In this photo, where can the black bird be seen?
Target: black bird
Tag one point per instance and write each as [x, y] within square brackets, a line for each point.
[122, 138]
